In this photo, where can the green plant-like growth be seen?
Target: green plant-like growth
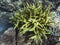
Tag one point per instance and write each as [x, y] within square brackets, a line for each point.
[33, 18]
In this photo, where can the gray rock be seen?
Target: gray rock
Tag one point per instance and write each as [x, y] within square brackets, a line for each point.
[8, 38]
[10, 32]
[58, 44]
[58, 8]
[4, 21]
[55, 26]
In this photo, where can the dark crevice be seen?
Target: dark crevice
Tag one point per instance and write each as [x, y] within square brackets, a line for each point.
[6, 10]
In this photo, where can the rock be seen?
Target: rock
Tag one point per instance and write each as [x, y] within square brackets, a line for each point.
[9, 6]
[58, 8]
[55, 26]
[10, 32]
[22, 41]
[8, 38]
[58, 43]
[4, 21]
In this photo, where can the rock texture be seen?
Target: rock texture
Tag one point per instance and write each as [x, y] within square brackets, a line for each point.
[8, 38]
[4, 21]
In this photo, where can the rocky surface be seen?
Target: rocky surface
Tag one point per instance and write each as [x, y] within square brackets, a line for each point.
[58, 8]
[4, 21]
[8, 38]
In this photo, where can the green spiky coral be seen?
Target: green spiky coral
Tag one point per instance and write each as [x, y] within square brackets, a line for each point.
[33, 18]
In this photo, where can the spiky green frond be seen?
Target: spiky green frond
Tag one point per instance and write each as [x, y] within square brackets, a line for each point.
[33, 18]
